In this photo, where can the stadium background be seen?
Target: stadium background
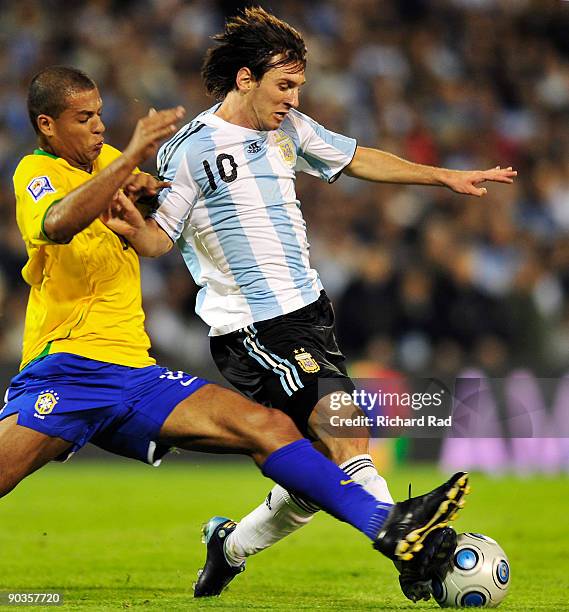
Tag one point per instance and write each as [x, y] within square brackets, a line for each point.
[425, 282]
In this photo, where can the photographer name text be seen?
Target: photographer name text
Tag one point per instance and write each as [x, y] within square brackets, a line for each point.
[387, 421]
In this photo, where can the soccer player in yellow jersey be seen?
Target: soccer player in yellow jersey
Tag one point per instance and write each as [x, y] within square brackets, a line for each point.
[86, 374]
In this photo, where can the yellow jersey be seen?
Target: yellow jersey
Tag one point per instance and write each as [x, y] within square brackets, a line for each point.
[85, 296]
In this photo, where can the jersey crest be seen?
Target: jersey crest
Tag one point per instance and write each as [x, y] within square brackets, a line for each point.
[306, 361]
[45, 403]
[39, 186]
[286, 148]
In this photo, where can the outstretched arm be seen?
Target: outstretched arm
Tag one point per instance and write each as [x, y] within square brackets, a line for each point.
[383, 167]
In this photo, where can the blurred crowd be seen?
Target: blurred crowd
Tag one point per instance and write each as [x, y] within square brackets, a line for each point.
[424, 280]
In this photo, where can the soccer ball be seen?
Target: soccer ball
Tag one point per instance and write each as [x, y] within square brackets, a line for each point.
[479, 576]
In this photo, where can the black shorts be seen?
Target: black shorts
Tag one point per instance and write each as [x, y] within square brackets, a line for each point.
[288, 362]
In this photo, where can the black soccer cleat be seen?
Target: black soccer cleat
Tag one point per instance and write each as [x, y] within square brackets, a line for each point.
[216, 574]
[404, 532]
[415, 576]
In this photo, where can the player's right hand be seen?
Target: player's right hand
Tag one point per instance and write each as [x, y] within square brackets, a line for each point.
[122, 216]
[150, 130]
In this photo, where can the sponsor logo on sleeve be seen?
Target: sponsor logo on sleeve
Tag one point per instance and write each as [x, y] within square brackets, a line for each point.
[39, 186]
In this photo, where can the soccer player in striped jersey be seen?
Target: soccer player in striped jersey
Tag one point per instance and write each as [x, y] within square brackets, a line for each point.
[233, 212]
[86, 375]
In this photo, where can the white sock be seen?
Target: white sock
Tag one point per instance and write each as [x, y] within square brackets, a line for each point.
[362, 470]
[283, 513]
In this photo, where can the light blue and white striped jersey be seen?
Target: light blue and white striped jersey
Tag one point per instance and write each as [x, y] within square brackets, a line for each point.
[233, 211]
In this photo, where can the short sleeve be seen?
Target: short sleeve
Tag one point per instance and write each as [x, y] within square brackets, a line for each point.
[37, 190]
[321, 152]
[176, 202]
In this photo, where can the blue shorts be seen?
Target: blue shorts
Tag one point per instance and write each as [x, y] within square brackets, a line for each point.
[117, 408]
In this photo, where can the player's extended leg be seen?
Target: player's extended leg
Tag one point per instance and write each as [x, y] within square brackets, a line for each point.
[23, 451]
[218, 420]
[214, 419]
[282, 513]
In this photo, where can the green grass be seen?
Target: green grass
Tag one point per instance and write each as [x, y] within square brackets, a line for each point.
[121, 535]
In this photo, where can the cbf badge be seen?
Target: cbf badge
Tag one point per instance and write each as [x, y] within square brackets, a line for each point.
[39, 186]
[306, 361]
[286, 147]
[45, 403]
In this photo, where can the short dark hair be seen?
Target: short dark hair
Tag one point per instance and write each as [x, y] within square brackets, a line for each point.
[50, 88]
[252, 40]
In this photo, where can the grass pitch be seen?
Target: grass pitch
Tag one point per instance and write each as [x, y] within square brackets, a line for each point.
[118, 535]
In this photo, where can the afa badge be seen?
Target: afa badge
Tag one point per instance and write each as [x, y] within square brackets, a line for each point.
[39, 186]
[45, 403]
[306, 361]
[286, 148]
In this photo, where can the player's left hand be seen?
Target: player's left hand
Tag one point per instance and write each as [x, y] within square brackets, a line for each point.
[122, 216]
[467, 181]
[143, 185]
